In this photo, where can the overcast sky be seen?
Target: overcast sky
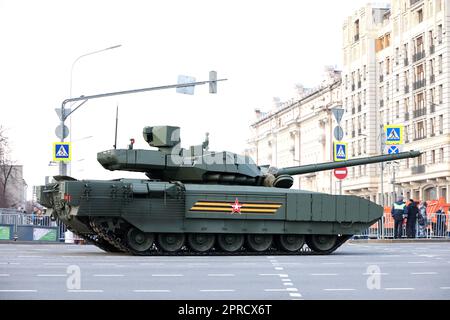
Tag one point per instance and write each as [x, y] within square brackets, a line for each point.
[263, 47]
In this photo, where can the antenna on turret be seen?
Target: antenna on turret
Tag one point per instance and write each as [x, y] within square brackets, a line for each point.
[205, 143]
[117, 121]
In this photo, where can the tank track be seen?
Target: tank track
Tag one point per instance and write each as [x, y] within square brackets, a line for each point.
[117, 243]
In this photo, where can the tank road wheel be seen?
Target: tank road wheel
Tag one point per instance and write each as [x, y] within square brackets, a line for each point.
[201, 242]
[291, 242]
[259, 242]
[321, 243]
[139, 241]
[230, 242]
[171, 242]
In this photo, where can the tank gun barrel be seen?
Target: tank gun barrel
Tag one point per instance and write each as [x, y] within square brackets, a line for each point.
[341, 164]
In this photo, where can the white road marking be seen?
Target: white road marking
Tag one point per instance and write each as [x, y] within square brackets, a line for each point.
[85, 291]
[10, 263]
[167, 275]
[150, 291]
[29, 256]
[279, 268]
[295, 294]
[422, 273]
[18, 290]
[4, 275]
[56, 263]
[339, 289]
[286, 280]
[376, 274]
[399, 289]
[220, 275]
[51, 275]
[151, 263]
[416, 262]
[273, 274]
[332, 263]
[445, 288]
[108, 275]
[104, 264]
[288, 283]
[74, 256]
[323, 274]
[217, 290]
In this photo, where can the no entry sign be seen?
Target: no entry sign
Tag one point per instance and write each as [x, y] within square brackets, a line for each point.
[341, 173]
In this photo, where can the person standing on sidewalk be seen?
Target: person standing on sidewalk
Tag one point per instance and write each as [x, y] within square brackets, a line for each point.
[422, 220]
[398, 212]
[412, 212]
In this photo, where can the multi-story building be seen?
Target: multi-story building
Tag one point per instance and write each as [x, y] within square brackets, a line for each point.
[397, 71]
[14, 196]
[298, 132]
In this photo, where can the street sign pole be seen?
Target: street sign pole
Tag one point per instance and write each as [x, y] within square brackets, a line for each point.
[64, 115]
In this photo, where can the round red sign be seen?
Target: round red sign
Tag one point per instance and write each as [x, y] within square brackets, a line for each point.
[341, 173]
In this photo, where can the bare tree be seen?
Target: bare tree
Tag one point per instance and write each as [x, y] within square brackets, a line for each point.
[6, 167]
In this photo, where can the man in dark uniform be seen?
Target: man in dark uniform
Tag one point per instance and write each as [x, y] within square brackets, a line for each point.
[412, 211]
[398, 213]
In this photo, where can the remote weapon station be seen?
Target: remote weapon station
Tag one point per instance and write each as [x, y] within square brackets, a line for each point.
[198, 201]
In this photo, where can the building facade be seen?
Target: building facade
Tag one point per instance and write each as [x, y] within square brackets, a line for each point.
[396, 71]
[298, 132]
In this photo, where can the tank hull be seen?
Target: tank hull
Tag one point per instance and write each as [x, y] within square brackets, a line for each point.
[110, 209]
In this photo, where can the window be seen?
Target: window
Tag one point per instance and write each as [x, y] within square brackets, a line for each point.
[364, 121]
[397, 55]
[406, 105]
[419, 101]
[397, 82]
[440, 63]
[420, 16]
[433, 126]
[439, 33]
[441, 124]
[356, 38]
[438, 5]
[420, 132]
[388, 65]
[406, 77]
[441, 94]
[430, 37]
[364, 72]
[441, 155]
[397, 109]
[433, 156]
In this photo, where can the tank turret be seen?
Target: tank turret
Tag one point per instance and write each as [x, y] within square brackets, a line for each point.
[198, 165]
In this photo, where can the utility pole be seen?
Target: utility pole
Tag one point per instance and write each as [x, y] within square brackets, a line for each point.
[382, 145]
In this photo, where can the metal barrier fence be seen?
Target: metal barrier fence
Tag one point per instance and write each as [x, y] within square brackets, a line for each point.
[20, 219]
[436, 226]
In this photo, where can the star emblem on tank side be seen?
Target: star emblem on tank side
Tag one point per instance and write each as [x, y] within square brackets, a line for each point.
[236, 207]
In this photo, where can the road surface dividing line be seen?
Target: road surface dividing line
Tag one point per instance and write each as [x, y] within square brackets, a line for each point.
[331, 263]
[416, 262]
[221, 275]
[393, 289]
[85, 291]
[339, 289]
[323, 274]
[150, 291]
[445, 288]
[217, 290]
[423, 273]
[108, 275]
[167, 275]
[51, 275]
[29, 256]
[14, 290]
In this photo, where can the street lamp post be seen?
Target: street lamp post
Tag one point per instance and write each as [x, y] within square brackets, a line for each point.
[71, 79]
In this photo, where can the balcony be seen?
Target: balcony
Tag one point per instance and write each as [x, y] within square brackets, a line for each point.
[418, 170]
[405, 61]
[407, 116]
[419, 84]
[419, 112]
[419, 138]
[432, 79]
[418, 56]
[432, 49]
[356, 37]
[406, 89]
[381, 78]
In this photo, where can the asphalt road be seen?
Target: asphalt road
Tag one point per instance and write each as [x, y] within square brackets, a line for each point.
[355, 271]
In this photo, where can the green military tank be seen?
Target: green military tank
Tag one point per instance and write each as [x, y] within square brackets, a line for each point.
[196, 201]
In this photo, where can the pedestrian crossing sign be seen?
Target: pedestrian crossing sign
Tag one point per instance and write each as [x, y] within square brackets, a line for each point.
[394, 135]
[62, 151]
[340, 151]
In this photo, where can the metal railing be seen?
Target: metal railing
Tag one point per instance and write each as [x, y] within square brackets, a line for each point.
[21, 219]
[436, 226]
